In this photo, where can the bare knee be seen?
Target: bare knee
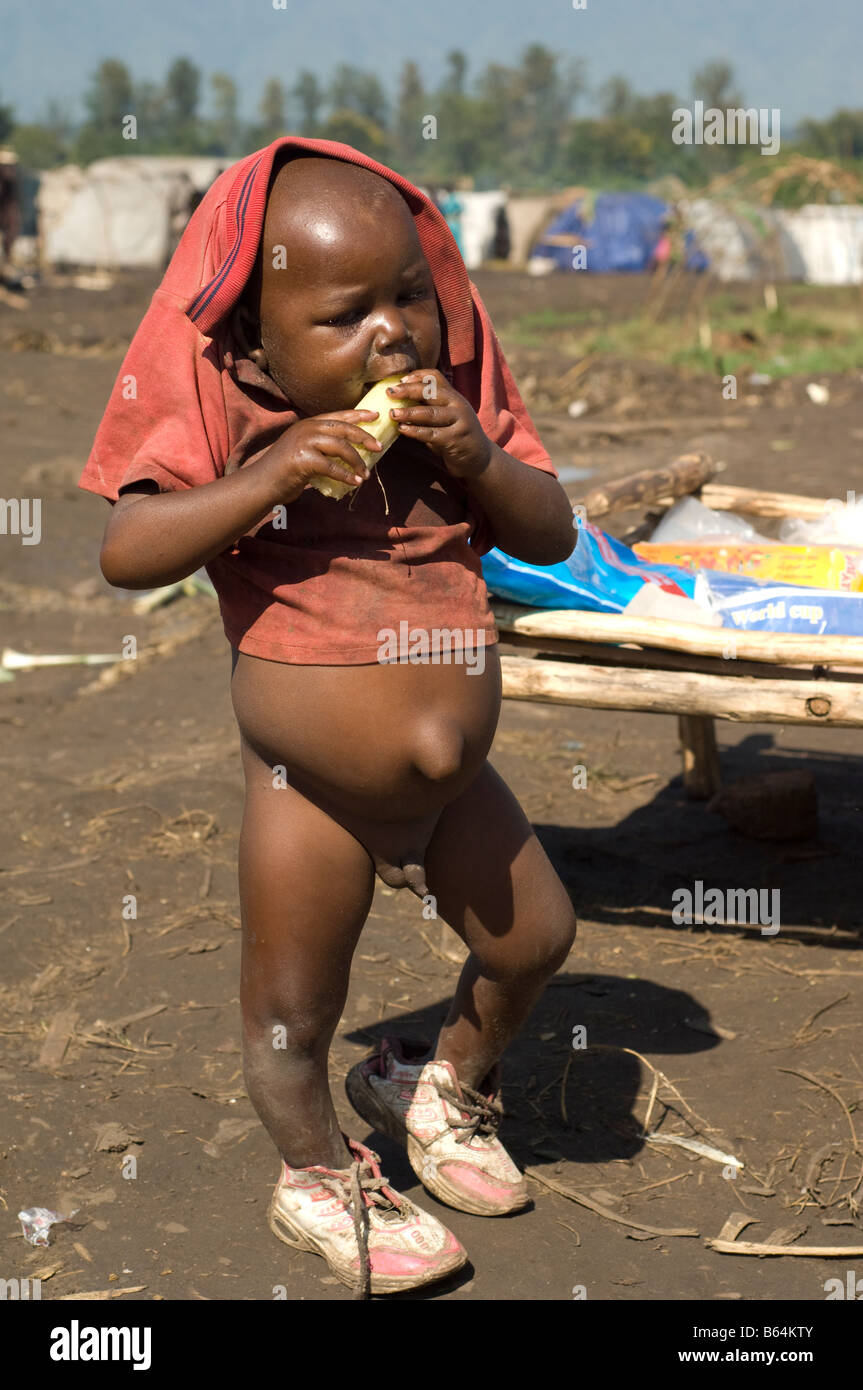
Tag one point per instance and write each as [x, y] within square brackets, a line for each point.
[291, 1027]
[559, 937]
[539, 950]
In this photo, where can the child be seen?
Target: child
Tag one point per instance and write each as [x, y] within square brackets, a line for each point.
[309, 272]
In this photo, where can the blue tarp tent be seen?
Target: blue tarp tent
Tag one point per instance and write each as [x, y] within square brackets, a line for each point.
[622, 236]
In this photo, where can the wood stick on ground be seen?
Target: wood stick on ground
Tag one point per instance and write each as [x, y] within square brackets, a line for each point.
[822, 1085]
[663, 1182]
[801, 1031]
[100, 1295]
[563, 1081]
[812, 1252]
[600, 1210]
[58, 1038]
[112, 1025]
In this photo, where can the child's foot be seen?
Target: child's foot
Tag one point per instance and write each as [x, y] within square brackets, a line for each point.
[370, 1236]
[450, 1130]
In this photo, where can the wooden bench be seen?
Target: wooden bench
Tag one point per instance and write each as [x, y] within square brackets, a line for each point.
[610, 661]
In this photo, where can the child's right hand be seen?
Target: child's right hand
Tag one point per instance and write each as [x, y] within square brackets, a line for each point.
[320, 446]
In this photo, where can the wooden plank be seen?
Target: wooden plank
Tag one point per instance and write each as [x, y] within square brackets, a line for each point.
[723, 497]
[602, 653]
[739, 699]
[642, 489]
[776, 648]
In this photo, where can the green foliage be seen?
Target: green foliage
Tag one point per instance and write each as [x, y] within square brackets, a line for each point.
[533, 124]
[812, 331]
[350, 128]
[308, 96]
[839, 137]
[182, 92]
[38, 147]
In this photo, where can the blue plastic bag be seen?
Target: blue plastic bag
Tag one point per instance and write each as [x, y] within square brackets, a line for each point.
[763, 606]
[601, 575]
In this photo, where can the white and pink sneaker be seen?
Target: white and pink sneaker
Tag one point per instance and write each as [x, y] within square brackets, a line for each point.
[371, 1237]
[449, 1130]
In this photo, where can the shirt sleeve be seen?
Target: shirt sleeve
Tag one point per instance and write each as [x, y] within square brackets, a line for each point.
[166, 418]
[488, 384]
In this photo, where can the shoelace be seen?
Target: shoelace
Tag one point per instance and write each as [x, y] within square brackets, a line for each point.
[352, 1191]
[485, 1113]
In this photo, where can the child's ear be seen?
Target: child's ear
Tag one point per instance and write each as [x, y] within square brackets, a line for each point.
[247, 331]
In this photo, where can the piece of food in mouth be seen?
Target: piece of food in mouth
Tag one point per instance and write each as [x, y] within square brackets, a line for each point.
[385, 430]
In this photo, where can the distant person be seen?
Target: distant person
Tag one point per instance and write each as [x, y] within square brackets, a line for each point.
[661, 255]
[452, 208]
[10, 211]
[502, 243]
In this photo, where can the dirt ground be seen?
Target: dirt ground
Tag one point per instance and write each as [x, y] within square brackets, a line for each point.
[130, 783]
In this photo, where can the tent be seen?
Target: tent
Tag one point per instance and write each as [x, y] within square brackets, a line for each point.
[473, 219]
[823, 243]
[620, 233]
[528, 217]
[739, 242]
[123, 212]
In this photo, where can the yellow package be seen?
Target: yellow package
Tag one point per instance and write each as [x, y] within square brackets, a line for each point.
[819, 566]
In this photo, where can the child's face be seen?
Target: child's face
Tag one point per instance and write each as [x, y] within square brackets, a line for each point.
[354, 299]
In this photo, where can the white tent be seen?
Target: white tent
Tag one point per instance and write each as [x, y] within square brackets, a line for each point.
[824, 243]
[478, 221]
[123, 212]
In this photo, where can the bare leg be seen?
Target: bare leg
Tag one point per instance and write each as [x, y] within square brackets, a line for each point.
[496, 887]
[306, 886]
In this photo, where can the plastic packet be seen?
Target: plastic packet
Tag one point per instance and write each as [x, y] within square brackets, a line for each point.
[690, 520]
[820, 566]
[601, 575]
[754, 606]
[652, 602]
[841, 523]
[37, 1223]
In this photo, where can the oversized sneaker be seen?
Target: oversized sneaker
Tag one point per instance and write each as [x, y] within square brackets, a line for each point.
[449, 1130]
[371, 1237]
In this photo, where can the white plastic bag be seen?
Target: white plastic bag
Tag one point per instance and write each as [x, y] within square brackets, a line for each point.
[841, 524]
[690, 520]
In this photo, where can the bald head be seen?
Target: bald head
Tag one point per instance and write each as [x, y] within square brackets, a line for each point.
[342, 291]
[318, 202]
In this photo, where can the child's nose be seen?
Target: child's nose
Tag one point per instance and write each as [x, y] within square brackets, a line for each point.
[391, 328]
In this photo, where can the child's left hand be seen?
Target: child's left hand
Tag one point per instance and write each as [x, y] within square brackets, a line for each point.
[443, 420]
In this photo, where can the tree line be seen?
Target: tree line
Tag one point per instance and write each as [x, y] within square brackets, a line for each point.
[534, 125]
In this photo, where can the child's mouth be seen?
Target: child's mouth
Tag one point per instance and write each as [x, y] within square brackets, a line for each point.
[392, 369]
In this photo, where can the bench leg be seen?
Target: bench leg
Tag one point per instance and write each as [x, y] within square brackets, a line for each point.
[702, 776]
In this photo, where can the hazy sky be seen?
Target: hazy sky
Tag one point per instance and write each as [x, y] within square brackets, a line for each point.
[802, 57]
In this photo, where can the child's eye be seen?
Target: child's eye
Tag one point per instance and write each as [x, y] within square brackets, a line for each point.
[342, 320]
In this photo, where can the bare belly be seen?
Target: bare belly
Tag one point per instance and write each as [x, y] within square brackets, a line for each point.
[381, 748]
